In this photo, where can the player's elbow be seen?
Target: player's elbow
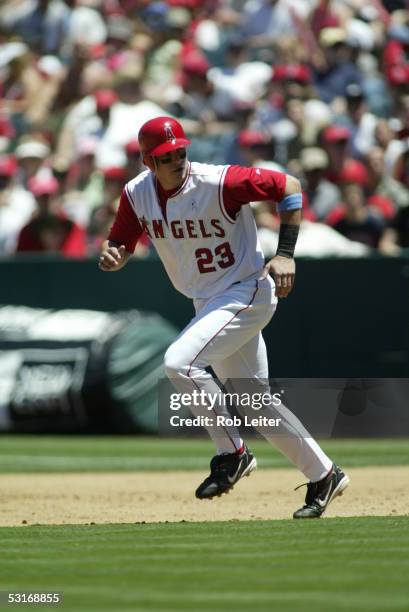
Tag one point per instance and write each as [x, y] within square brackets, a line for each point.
[292, 185]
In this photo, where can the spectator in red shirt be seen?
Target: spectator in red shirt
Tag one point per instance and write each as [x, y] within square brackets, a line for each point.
[335, 139]
[50, 231]
[353, 218]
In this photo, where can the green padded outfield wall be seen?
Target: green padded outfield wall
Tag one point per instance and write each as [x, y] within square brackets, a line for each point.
[345, 317]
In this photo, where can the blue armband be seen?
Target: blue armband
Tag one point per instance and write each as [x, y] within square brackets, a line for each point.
[290, 202]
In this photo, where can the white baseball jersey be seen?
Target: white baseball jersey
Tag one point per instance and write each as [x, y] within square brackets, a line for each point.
[205, 252]
[203, 249]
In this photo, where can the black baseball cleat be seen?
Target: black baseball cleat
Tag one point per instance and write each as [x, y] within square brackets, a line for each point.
[320, 494]
[225, 471]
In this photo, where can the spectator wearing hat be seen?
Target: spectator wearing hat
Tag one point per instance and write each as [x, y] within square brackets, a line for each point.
[357, 173]
[381, 183]
[50, 231]
[16, 205]
[201, 99]
[45, 187]
[321, 196]
[32, 154]
[334, 70]
[105, 99]
[294, 80]
[129, 113]
[334, 140]
[254, 146]
[360, 121]
[359, 223]
[353, 218]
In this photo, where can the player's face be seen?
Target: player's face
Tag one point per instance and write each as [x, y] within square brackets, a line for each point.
[171, 168]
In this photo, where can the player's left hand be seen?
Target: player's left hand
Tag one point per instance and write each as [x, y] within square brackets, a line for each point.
[282, 269]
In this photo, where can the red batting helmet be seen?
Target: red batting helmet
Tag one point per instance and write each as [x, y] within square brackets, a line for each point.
[161, 135]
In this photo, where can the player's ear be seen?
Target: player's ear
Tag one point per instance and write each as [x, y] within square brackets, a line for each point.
[149, 163]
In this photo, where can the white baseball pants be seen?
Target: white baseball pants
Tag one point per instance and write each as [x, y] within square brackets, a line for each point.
[226, 334]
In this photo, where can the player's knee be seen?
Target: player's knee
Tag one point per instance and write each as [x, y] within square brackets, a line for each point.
[174, 363]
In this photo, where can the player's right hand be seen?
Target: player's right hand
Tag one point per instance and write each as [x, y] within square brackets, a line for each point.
[282, 269]
[112, 258]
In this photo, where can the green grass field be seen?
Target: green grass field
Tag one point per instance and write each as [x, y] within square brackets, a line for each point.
[332, 564]
[338, 564]
[112, 454]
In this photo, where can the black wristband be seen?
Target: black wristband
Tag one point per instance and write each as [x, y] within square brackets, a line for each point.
[287, 240]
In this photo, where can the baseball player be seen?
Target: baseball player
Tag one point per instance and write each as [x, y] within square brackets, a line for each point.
[198, 219]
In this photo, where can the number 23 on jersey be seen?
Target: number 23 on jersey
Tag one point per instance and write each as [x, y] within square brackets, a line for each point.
[207, 260]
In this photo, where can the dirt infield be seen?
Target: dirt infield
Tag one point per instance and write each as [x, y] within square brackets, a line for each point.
[168, 496]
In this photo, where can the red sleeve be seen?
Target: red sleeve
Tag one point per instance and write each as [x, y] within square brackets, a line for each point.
[126, 228]
[243, 185]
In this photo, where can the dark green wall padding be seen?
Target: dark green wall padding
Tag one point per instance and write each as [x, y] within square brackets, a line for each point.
[134, 366]
[344, 318]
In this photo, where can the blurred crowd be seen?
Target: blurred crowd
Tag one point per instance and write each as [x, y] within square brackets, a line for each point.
[316, 88]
